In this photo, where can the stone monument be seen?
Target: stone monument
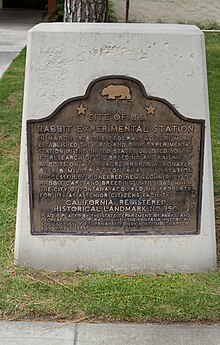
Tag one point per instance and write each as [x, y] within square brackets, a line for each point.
[115, 167]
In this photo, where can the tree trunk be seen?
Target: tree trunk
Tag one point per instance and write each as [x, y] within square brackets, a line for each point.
[85, 10]
[51, 9]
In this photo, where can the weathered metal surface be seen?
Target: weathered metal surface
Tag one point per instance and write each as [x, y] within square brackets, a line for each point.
[115, 161]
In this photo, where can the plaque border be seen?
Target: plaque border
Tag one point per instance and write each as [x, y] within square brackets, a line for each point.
[136, 233]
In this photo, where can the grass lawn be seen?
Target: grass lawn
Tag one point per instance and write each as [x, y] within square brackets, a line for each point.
[96, 296]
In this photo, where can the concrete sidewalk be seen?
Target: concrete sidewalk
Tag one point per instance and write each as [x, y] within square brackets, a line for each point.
[14, 24]
[48, 333]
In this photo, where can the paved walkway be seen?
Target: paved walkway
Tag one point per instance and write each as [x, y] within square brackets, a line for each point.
[14, 24]
[50, 333]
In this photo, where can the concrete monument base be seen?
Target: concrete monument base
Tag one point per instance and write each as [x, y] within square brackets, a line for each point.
[169, 60]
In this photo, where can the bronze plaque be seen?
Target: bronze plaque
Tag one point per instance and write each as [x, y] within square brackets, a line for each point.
[115, 161]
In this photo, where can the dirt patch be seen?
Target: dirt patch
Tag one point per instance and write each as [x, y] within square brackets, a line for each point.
[56, 277]
[12, 99]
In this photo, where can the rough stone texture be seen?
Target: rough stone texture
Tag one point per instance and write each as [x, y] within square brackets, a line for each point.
[170, 11]
[62, 59]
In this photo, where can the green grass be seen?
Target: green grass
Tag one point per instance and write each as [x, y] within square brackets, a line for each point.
[98, 296]
[88, 296]
[11, 98]
[213, 60]
[203, 25]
